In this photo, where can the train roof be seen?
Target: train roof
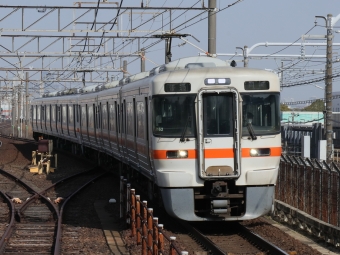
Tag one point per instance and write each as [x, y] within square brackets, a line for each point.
[179, 64]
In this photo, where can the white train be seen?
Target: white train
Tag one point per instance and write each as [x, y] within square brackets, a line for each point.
[206, 135]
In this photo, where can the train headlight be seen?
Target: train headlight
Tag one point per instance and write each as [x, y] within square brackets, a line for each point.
[183, 154]
[254, 152]
[177, 154]
[217, 81]
[259, 152]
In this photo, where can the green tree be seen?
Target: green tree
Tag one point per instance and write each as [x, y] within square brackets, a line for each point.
[284, 108]
[316, 106]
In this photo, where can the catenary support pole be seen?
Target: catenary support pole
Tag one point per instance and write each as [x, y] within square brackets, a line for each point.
[142, 60]
[212, 27]
[125, 74]
[245, 56]
[27, 115]
[329, 89]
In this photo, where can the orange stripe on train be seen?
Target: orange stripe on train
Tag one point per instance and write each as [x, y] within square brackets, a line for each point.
[217, 153]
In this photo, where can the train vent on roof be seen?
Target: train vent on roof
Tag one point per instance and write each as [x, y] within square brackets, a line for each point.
[122, 81]
[50, 94]
[191, 62]
[154, 71]
[111, 85]
[99, 88]
[133, 78]
[89, 89]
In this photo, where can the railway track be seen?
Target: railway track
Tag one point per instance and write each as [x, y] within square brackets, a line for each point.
[222, 238]
[216, 238]
[32, 219]
[18, 138]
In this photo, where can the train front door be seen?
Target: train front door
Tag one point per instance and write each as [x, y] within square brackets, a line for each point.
[219, 150]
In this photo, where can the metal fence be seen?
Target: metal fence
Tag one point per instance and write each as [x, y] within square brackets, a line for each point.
[310, 186]
[144, 226]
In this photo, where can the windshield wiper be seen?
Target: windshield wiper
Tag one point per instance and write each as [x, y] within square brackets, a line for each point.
[251, 131]
[185, 130]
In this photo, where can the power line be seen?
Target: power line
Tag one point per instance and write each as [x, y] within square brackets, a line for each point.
[230, 5]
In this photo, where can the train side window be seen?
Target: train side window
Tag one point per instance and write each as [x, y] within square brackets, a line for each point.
[48, 113]
[100, 117]
[58, 114]
[104, 116]
[53, 113]
[64, 114]
[146, 124]
[90, 119]
[83, 116]
[95, 115]
[34, 112]
[75, 113]
[38, 112]
[112, 116]
[70, 114]
[78, 113]
[129, 113]
[134, 118]
[118, 117]
[123, 120]
[42, 113]
[140, 121]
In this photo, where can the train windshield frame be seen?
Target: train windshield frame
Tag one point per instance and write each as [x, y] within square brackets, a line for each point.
[174, 115]
[262, 112]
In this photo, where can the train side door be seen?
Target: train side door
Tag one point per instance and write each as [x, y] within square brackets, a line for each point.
[142, 139]
[219, 151]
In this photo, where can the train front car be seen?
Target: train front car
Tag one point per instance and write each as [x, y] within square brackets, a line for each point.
[216, 141]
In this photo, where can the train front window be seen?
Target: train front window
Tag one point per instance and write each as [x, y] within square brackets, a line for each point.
[262, 112]
[218, 114]
[174, 115]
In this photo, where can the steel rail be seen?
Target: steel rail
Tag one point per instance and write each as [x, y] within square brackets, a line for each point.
[42, 193]
[206, 242]
[18, 138]
[269, 247]
[36, 196]
[10, 226]
[8, 232]
[248, 234]
[57, 243]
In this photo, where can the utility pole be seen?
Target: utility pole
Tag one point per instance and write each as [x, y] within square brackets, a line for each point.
[125, 69]
[281, 75]
[212, 27]
[19, 110]
[168, 53]
[329, 89]
[0, 102]
[330, 22]
[245, 56]
[27, 115]
[142, 60]
[14, 127]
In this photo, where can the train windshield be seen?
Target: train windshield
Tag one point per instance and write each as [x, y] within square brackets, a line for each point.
[174, 116]
[261, 114]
